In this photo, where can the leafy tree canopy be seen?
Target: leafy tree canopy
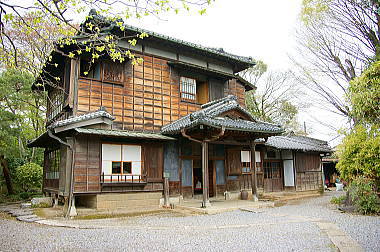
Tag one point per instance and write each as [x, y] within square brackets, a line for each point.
[364, 94]
[359, 154]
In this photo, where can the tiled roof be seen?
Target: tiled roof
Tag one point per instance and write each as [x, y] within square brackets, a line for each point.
[107, 26]
[92, 115]
[292, 142]
[209, 115]
[216, 51]
[123, 133]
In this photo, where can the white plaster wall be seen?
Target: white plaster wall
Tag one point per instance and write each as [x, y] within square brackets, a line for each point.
[288, 173]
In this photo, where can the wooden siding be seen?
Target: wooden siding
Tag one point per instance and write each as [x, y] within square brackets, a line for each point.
[153, 161]
[308, 171]
[87, 164]
[87, 167]
[148, 98]
[233, 87]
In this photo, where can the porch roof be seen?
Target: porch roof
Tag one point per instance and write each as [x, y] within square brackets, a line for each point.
[77, 121]
[292, 142]
[210, 115]
[124, 133]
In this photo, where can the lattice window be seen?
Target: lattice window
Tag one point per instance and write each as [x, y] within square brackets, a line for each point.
[55, 101]
[53, 161]
[188, 88]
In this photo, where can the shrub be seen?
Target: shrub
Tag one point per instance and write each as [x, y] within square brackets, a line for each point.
[364, 196]
[29, 176]
[338, 200]
[359, 154]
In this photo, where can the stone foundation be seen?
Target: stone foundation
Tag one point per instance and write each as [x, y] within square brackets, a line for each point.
[114, 201]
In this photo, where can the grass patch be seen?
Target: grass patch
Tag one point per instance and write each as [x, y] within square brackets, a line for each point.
[338, 200]
[41, 205]
[118, 215]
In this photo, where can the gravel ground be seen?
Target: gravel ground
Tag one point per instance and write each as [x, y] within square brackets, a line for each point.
[286, 228]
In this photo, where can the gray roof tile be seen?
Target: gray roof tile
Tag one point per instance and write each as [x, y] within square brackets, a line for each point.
[209, 115]
[91, 115]
[292, 142]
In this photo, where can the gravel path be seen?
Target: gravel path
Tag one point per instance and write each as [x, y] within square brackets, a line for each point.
[286, 228]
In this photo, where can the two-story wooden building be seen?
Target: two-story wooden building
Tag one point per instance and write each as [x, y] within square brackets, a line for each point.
[115, 129]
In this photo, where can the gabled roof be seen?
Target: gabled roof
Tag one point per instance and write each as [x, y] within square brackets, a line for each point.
[109, 26]
[292, 142]
[210, 115]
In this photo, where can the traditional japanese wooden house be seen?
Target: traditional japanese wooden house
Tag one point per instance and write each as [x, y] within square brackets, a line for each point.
[291, 163]
[114, 132]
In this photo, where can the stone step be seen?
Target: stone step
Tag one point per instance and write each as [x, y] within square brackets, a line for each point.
[28, 218]
[21, 213]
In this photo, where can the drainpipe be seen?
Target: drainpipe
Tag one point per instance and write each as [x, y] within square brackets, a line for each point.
[71, 187]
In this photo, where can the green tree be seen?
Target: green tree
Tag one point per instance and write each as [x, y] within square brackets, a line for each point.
[22, 118]
[359, 154]
[29, 177]
[364, 95]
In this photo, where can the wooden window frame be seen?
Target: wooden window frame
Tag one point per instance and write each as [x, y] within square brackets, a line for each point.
[198, 83]
[122, 168]
[102, 79]
[181, 82]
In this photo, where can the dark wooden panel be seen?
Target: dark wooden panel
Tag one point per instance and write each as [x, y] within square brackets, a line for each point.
[233, 162]
[153, 161]
[308, 162]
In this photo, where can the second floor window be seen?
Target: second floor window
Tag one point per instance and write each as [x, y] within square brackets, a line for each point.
[107, 71]
[193, 90]
[188, 89]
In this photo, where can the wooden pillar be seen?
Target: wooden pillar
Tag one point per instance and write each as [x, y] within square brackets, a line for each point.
[254, 173]
[205, 184]
[166, 190]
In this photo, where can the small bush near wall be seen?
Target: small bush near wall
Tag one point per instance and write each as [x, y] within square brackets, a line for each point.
[338, 200]
[364, 196]
[29, 177]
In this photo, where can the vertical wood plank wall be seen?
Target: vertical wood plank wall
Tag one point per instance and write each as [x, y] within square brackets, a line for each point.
[148, 99]
[87, 164]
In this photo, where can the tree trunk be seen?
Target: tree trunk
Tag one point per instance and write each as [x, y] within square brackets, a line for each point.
[7, 175]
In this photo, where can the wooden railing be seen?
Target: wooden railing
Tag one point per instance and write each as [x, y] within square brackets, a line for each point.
[122, 178]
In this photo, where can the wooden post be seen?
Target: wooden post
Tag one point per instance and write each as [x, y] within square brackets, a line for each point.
[205, 184]
[166, 190]
[254, 173]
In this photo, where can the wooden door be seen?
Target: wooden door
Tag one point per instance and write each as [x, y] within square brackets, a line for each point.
[272, 176]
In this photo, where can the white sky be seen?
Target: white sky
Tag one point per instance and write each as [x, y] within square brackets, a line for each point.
[259, 28]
